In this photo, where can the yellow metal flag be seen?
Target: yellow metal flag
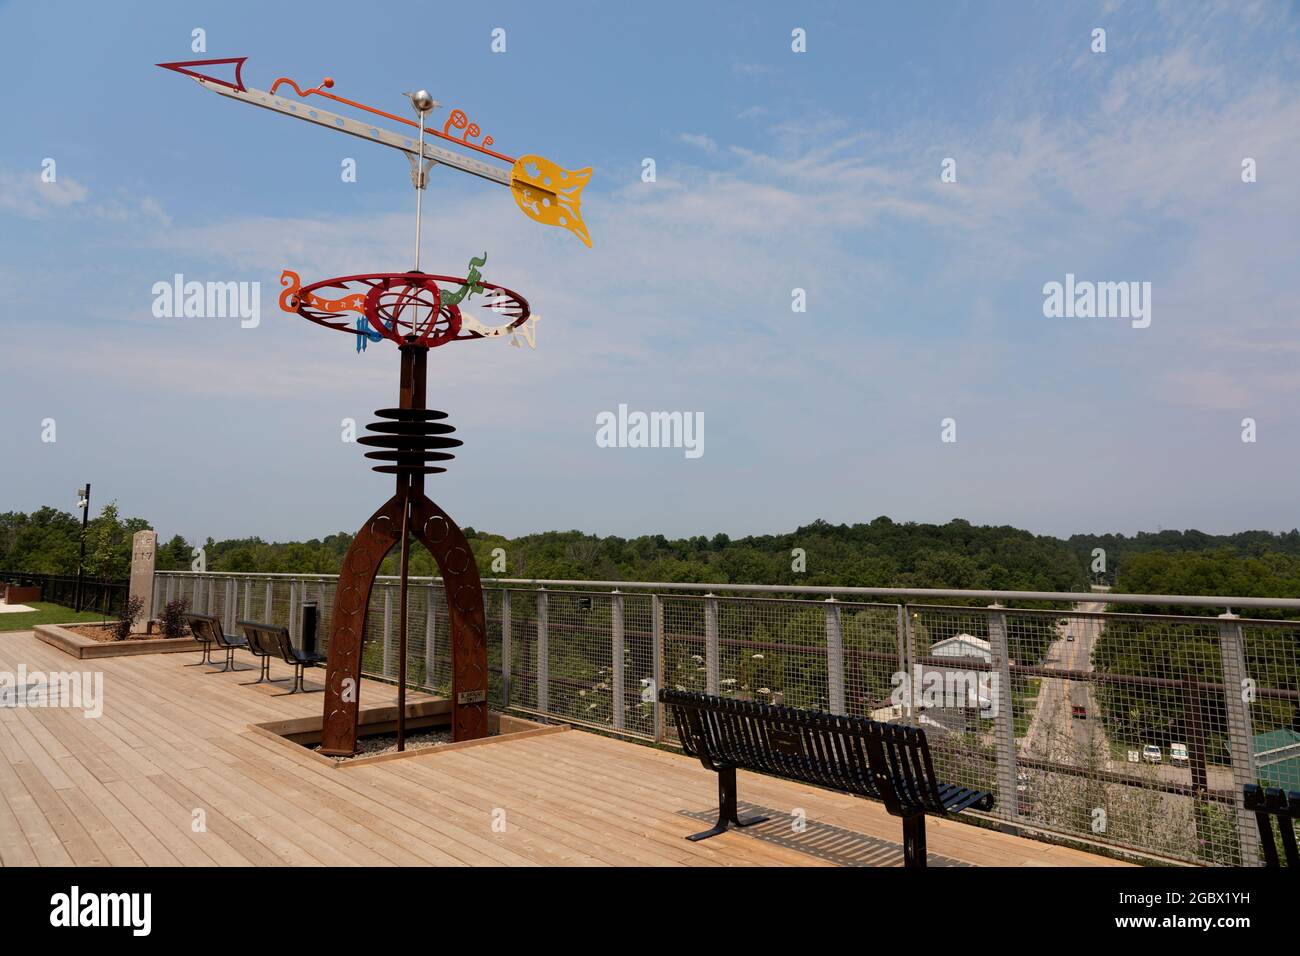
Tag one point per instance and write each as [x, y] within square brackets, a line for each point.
[550, 194]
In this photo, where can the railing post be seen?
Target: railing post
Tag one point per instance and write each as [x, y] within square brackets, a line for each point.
[1004, 718]
[543, 655]
[616, 655]
[171, 589]
[388, 631]
[323, 617]
[712, 657]
[657, 652]
[293, 609]
[232, 604]
[906, 655]
[506, 651]
[834, 657]
[267, 603]
[1232, 648]
[248, 598]
[430, 638]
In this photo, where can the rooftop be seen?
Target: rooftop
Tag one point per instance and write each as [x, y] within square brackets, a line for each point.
[124, 789]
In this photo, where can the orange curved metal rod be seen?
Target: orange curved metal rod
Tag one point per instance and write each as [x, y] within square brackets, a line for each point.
[327, 83]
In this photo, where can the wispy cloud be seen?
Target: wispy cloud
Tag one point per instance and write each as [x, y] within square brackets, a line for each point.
[699, 141]
[26, 194]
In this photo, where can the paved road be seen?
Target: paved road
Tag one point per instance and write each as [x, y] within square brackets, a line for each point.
[1053, 732]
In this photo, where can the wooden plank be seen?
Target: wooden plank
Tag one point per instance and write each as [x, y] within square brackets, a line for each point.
[122, 790]
[657, 810]
[226, 837]
[14, 848]
[536, 813]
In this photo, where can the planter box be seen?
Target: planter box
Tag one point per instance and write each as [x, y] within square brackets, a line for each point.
[20, 595]
[302, 733]
[85, 648]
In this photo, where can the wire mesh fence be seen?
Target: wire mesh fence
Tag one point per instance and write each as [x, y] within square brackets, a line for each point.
[1128, 730]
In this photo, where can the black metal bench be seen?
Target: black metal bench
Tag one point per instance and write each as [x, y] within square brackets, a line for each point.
[202, 631]
[263, 643]
[866, 758]
[299, 657]
[1269, 802]
[207, 631]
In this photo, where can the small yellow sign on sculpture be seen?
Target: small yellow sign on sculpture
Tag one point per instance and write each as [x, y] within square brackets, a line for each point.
[550, 194]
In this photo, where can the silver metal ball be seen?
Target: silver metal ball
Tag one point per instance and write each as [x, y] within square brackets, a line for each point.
[422, 101]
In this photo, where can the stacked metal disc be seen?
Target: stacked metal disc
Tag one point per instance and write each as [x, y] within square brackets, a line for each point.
[410, 438]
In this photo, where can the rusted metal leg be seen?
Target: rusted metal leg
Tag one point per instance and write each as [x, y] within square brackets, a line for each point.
[348, 626]
[401, 628]
[434, 529]
[914, 852]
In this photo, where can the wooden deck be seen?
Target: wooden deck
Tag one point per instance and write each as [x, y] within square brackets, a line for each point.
[124, 790]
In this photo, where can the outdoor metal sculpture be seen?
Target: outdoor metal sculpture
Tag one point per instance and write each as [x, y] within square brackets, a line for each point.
[418, 312]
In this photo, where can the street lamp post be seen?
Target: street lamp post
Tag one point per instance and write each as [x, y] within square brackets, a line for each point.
[83, 495]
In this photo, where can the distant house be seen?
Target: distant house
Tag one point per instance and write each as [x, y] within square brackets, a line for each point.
[893, 714]
[972, 686]
[963, 645]
[1277, 758]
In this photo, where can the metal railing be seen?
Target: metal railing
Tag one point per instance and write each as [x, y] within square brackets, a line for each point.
[1128, 730]
[98, 596]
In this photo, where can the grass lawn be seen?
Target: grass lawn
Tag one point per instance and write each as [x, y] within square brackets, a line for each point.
[46, 613]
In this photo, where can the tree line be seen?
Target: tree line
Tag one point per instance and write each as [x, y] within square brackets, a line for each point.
[879, 553]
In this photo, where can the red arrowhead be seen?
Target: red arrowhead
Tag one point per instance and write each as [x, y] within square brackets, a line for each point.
[180, 67]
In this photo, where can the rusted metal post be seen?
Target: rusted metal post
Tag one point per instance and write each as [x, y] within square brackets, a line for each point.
[401, 627]
[409, 437]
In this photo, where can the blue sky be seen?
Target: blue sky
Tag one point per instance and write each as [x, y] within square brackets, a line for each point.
[776, 170]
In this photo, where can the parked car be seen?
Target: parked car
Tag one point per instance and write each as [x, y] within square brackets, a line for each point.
[1079, 712]
[1178, 754]
[1070, 638]
[1151, 753]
